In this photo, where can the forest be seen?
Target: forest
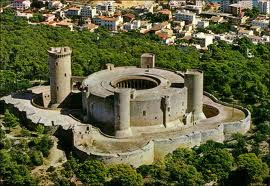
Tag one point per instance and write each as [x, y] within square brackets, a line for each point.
[229, 73]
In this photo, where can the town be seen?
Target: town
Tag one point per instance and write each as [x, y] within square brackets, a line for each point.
[195, 23]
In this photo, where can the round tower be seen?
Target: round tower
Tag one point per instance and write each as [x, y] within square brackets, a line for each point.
[194, 84]
[122, 113]
[60, 74]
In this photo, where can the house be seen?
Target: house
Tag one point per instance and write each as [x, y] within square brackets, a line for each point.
[73, 11]
[160, 26]
[213, 6]
[49, 17]
[128, 17]
[65, 23]
[203, 39]
[194, 8]
[24, 15]
[177, 3]
[107, 6]
[237, 9]
[216, 19]
[165, 36]
[136, 24]
[21, 4]
[111, 23]
[144, 9]
[263, 23]
[55, 5]
[88, 11]
[243, 32]
[145, 27]
[166, 12]
[188, 17]
[188, 28]
[91, 27]
[203, 24]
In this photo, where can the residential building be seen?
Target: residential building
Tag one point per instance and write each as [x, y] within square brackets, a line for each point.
[188, 17]
[237, 9]
[111, 23]
[213, 6]
[245, 4]
[65, 23]
[21, 4]
[243, 32]
[194, 8]
[216, 19]
[88, 11]
[91, 27]
[166, 36]
[203, 24]
[49, 17]
[55, 5]
[73, 11]
[166, 12]
[203, 39]
[134, 25]
[24, 15]
[264, 6]
[177, 3]
[264, 23]
[107, 6]
[128, 17]
[160, 26]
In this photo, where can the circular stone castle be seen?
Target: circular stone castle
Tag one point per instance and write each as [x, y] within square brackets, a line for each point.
[132, 115]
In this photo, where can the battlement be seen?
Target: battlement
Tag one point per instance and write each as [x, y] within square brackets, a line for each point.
[194, 71]
[59, 51]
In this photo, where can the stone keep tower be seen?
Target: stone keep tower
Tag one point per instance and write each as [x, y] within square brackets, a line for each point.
[148, 60]
[194, 84]
[60, 74]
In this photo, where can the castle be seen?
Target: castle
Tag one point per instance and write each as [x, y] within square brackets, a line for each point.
[132, 115]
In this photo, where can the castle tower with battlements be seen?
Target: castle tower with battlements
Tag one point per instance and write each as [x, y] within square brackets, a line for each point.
[60, 74]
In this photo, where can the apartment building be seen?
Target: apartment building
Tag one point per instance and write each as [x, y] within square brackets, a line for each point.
[88, 11]
[264, 6]
[187, 16]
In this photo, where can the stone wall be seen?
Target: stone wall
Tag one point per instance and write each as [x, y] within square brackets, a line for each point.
[241, 126]
[143, 155]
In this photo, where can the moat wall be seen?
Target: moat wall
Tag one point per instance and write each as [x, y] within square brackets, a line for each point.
[154, 149]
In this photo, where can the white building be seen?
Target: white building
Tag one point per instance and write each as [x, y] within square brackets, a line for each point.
[74, 11]
[132, 26]
[106, 6]
[264, 24]
[188, 17]
[203, 39]
[194, 8]
[24, 15]
[21, 4]
[264, 6]
[111, 23]
[88, 11]
[245, 4]
[177, 3]
[203, 24]
[55, 5]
